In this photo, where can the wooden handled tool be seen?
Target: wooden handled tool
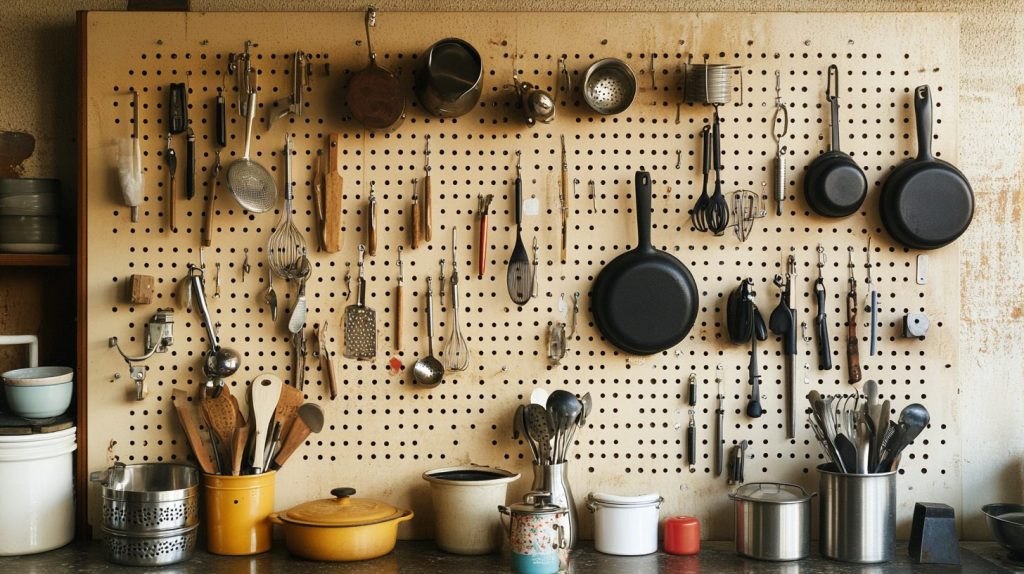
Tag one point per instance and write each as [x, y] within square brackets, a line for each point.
[565, 204]
[238, 441]
[292, 441]
[210, 199]
[852, 342]
[428, 212]
[187, 418]
[416, 228]
[326, 361]
[398, 303]
[483, 209]
[333, 191]
[371, 224]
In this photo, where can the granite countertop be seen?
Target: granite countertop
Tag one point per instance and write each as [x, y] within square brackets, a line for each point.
[422, 557]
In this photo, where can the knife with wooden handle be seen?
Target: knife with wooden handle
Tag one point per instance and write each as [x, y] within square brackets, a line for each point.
[333, 190]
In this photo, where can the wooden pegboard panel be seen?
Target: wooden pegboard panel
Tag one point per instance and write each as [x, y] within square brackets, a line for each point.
[383, 431]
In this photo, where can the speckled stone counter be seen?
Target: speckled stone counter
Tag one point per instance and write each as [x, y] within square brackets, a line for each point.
[421, 557]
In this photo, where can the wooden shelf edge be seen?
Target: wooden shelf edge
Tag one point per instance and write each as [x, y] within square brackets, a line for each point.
[35, 260]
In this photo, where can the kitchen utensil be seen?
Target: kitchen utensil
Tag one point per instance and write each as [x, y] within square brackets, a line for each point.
[297, 320]
[333, 190]
[709, 84]
[835, 186]
[1006, 521]
[428, 371]
[535, 269]
[925, 203]
[451, 80]
[773, 521]
[129, 164]
[645, 300]
[564, 203]
[211, 199]
[428, 198]
[251, 184]
[820, 319]
[341, 529]
[783, 322]
[286, 246]
[537, 537]
[564, 409]
[852, 340]
[318, 185]
[398, 320]
[609, 86]
[310, 420]
[537, 105]
[219, 413]
[913, 419]
[691, 429]
[780, 119]
[456, 350]
[698, 215]
[238, 442]
[745, 324]
[482, 211]
[719, 424]
[625, 525]
[371, 223]
[375, 96]
[554, 478]
[360, 321]
[219, 362]
[264, 394]
[186, 418]
[539, 427]
[416, 216]
[464, 499]
[171, 160]
[519, 277]
[270, 296]
[292, 104]
[286, 412]
[221, 129]
[881, 428]
[857, 515]
[519, 430]
[326, 360]
[872, 302]
[177, 108]
[716, 214]
[539, 396]
[190, 164]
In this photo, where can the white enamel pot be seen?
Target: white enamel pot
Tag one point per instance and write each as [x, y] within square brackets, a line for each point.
[625, 525]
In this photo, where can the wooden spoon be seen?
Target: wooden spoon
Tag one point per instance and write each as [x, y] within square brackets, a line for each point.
[265, 392]
[287, 409]
[310, 419]
[220, 413]
[187, 418]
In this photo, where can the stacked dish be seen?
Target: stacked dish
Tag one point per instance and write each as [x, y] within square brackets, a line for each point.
[29, 215]
[38, 392]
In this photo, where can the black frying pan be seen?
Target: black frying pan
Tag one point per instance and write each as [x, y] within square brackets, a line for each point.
[926, 203]
[835, 186]
[645, 300]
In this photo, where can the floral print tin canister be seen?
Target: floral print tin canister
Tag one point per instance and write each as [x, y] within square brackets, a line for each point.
[537, 535]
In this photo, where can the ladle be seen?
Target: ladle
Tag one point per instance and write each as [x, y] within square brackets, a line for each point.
[428, 371]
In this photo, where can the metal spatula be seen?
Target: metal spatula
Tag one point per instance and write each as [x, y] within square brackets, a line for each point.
[360, 322]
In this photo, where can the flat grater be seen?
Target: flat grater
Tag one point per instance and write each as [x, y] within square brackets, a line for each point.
[360, 322]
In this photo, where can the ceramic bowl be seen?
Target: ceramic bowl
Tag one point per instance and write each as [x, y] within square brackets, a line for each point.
[39, 401]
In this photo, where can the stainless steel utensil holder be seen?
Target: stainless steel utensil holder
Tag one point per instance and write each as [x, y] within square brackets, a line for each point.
[554, 478]
[858, 515]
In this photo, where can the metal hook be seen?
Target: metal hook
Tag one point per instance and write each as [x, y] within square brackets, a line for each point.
[567, 81]
[780, 108]
[803, 332]
[833, 78]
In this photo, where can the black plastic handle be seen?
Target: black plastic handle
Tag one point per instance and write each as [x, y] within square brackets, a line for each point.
[923, 113]
[692, 395]
[691, 445]
[222, 122]
[177, 116]
[821, 325]
[754, 409]
[789, 338]
[643, 209]
[190, 165]
[519, 201]
[705, 135]
[833, 99]
[343, 492]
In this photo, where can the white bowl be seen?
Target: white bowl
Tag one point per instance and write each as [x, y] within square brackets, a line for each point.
[38, 376]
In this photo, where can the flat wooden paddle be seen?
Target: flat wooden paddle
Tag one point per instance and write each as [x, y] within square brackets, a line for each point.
[187, 418]
[334, 188]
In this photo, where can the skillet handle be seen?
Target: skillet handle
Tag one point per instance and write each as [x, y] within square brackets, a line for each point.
[821, 324]
[833, 100]
[643, 209]
[923, 112]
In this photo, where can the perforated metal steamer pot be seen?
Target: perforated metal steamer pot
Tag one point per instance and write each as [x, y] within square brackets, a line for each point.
[150, 513]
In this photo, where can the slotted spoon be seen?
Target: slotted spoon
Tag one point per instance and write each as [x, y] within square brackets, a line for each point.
[520, 274]
[249, 181]
[286, 246]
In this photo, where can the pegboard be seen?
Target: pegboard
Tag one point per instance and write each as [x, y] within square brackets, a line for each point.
[383, 431]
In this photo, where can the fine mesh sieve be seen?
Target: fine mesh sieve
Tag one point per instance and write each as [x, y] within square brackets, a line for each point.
[249, 181]
[609, 86]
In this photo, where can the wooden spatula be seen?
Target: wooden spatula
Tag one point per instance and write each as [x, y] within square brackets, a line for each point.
[333, 188]
[187, 418]
[220, 413]
[265, 392]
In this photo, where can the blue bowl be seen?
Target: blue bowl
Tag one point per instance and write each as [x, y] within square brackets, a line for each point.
[39, 401]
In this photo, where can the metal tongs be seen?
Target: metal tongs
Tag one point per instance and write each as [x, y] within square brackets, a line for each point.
[293, 104]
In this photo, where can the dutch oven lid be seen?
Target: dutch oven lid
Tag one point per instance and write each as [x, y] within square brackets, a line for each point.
[342, 510]
[617, 500]
[536, 502]
[778, 492]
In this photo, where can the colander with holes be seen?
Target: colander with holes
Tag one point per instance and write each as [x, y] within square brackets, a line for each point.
[609, 86]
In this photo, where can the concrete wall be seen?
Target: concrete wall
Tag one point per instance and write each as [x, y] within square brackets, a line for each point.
[37, 72]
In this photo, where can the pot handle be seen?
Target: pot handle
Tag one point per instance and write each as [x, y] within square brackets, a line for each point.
[502, 512]
[405, 517]
[560, 528]
[275, 518]
[591, 504]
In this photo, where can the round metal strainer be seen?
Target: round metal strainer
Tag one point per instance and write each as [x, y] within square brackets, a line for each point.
[249, 181]
[609, 86]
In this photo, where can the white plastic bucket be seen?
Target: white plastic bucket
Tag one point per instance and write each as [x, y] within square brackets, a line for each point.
[625, 525]
[38, 512]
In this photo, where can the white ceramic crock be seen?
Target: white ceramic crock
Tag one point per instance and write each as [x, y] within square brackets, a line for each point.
[41, 516]
[625, 525]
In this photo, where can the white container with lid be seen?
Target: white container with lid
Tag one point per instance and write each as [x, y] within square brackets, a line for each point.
[625, 525]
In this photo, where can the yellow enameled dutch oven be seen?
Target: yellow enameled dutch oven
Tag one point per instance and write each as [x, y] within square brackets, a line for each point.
[341, 529]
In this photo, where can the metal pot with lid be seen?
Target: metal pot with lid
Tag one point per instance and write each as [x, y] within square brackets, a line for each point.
[773, 521]
[536, 534]
[342, 528]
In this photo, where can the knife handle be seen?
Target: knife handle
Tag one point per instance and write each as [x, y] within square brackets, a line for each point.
[190, 165]
[428, 220]
[332, 381]
[371, 228]
[208, 220]
[482, 253]
[852, 342]
[398, 317]
[222, 122]
[720, 443]
[691, 444]
[417, 221]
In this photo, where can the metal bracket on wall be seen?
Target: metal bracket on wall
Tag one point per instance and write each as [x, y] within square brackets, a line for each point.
[158, 336]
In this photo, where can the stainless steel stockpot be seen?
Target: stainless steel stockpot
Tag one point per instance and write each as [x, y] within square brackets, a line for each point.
[773, 521]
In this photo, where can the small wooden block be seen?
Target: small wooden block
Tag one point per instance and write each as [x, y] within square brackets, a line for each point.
[140, 289]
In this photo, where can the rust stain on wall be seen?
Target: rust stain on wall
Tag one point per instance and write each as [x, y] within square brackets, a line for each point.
[15, 148]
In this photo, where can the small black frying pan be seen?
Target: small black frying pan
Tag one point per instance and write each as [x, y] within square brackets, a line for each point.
[645, 300]
[835, 186]
[926, 203]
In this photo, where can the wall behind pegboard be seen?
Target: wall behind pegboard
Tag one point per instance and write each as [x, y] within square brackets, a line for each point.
[383, 431]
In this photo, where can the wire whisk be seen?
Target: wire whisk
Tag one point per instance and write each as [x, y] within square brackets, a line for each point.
[456, 351]
[286, 245]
